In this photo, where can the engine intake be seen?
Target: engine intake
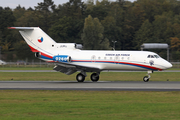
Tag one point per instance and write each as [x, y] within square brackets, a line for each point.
[78, 46]
[38, 54]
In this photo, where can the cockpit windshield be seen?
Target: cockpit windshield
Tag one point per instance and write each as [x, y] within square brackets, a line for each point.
[156, 56]
[153, 56]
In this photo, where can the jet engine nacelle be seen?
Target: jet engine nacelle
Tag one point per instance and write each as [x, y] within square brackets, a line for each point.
[62, 58]
[78, 46]
[38, 54]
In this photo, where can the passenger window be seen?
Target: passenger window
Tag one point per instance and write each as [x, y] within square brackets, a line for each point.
[149, 56]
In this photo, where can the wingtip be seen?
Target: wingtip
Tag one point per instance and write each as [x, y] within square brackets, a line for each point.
[11, 28]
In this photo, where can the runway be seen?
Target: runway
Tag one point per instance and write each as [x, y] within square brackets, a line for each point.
[101, 85]
[102, 71]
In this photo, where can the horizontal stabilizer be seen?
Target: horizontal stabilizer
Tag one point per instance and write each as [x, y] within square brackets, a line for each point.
[22, 28]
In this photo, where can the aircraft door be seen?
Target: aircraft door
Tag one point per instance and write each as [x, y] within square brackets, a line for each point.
[93, 58]
[116, 59]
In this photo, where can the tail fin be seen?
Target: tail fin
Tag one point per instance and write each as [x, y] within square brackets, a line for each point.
[36, 38]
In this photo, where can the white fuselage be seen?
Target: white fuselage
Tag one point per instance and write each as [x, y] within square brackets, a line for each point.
[115, 60]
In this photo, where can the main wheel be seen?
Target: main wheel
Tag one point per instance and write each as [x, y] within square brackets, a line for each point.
[146, 79]
[80, 77]
[94, 77]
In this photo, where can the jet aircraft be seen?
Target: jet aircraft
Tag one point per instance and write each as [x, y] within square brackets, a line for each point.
[69, 58]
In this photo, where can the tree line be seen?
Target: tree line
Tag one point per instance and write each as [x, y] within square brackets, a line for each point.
[95, 25]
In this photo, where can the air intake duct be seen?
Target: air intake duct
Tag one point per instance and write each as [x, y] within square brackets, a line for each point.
[38, 54]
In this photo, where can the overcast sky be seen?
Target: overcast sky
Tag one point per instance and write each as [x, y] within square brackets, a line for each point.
[31, 3]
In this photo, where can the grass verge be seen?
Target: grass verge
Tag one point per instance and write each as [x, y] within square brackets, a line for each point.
[104, 76]
[89, 105]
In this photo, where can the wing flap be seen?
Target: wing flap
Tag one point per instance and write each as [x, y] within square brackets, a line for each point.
[69, 69]
[66, 69]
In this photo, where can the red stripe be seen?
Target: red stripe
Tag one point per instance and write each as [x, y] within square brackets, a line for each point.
[33, 49]
[140, 65]
[46, 55]
[151, 67]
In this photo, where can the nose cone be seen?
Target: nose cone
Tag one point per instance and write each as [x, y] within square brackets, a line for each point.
[169, 65]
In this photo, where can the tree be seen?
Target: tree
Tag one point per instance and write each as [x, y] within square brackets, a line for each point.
[175, 46]
[29, 19]
[6, 19]
[113, 24]
[100, 10]
[66, 30]
[23, 51]
[144, 34]
[92, 35]
[45, 10]
[175, 43]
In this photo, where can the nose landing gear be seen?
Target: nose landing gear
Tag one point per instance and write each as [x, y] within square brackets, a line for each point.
[146, 78]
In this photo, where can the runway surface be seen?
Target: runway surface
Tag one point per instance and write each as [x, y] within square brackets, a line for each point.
[101, 85]
[102, 71]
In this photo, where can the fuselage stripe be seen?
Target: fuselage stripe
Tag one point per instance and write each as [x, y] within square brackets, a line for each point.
[50, 59]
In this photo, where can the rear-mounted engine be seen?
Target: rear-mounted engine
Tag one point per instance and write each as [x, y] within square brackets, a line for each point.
[38, 54]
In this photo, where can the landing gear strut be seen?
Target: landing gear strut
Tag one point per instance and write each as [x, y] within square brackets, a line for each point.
[146, 78]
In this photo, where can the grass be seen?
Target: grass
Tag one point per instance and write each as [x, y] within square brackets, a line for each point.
[104, 76]
[89, 105]
[26, 68]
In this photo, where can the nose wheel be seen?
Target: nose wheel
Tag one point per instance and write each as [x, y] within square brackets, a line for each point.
[146, 78]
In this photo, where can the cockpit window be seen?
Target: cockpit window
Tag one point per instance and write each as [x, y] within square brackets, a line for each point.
[153, 56]
[156, 56]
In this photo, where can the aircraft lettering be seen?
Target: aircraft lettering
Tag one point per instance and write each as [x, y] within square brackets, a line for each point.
[61, 58]
[125, 54]
[63, 46]
[117, 54]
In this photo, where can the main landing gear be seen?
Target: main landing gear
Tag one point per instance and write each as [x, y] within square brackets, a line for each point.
[146, 78]
[81, 77]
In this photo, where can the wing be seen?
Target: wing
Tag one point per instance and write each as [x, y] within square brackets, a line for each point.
[68, 68]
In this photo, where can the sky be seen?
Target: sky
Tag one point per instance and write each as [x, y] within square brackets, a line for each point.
[31, 3]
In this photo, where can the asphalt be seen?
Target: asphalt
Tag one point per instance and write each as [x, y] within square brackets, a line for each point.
[100, 86]
[56, 71]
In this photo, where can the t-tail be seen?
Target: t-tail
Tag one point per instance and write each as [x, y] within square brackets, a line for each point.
[42, 44]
